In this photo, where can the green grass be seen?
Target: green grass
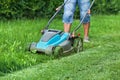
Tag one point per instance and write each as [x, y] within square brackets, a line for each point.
[100, 59]
[15, 36]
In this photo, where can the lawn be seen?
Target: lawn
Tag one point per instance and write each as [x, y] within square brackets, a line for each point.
[100, 59]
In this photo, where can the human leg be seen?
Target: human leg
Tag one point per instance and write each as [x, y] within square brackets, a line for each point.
[86, 31]
[84, 6]
[67, 27]
[69, 9]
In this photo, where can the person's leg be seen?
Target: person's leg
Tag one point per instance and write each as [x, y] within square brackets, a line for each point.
[69, 9]
[84, 6]
[86, 32]
[86, 29]
[67, 27]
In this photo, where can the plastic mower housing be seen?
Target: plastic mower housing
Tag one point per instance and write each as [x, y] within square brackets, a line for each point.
[56, 42]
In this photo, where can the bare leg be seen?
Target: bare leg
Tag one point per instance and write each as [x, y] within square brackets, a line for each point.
[86, 29]
[67, 27]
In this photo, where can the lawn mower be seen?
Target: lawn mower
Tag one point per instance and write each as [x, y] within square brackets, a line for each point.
[56, 42]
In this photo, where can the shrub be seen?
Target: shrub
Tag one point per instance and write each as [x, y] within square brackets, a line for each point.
[41, 8]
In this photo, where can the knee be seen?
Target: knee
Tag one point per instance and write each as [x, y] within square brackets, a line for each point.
[86, 18]
[68, 17]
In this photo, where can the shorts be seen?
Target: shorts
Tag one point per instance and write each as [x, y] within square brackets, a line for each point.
[70, 7]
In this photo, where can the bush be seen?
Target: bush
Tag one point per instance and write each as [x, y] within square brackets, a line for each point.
[21, 8]
[106, 7]
[41, 8]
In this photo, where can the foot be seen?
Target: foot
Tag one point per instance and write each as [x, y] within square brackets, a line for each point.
[86, 39]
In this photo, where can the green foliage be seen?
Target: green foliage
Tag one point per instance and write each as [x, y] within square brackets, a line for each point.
[41, 8]
[21, 8]
[106, 7]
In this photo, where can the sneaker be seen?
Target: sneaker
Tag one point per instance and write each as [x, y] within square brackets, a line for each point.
[86, 39]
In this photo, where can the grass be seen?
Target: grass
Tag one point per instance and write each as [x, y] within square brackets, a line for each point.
[15, 36]
[99, 60]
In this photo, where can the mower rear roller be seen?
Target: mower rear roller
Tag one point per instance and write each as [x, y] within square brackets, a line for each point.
[78, 45]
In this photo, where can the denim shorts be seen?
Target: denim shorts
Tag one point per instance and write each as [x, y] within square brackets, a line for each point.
[70, 7]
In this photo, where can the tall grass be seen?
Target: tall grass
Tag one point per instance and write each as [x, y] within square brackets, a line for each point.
[15, 36]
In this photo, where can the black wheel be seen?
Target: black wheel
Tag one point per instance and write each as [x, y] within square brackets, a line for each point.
[78, 45]
[58, 51]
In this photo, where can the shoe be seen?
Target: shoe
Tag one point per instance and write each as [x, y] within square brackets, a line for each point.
[86, 39]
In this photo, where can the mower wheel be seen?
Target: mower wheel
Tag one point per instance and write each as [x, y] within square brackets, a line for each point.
[58, 51]
[32, 47]
[78, 45]
[27, 48]
[49, 50]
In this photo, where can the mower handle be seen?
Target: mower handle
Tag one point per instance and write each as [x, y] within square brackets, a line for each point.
[57, 11]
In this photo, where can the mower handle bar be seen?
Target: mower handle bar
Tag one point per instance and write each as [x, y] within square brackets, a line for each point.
[83, 18]
[51, 19]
